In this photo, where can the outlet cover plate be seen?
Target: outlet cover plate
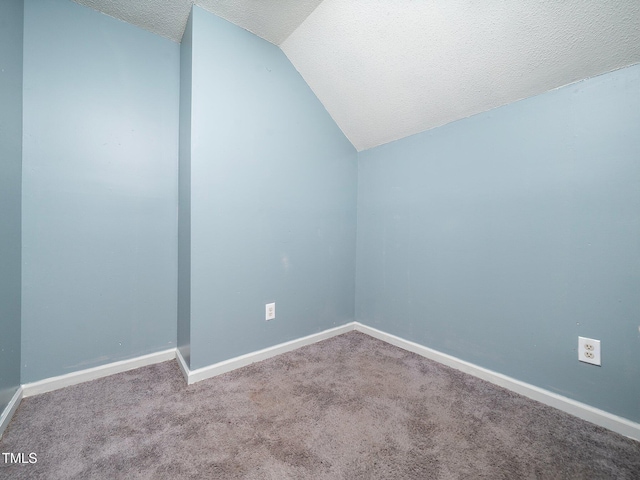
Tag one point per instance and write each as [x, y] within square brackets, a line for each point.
[589, 350]
[270, 311]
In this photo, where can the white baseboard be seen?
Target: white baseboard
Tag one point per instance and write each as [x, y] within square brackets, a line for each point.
[225, 366]
[594, 415]
[9, 410]
[604, 419]
[54, 383]
[182, 363]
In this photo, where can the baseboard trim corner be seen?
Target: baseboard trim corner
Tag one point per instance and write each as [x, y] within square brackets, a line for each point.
[81, 376]
[581, 410]
[225, 366]
[10, 409]
[182, 363]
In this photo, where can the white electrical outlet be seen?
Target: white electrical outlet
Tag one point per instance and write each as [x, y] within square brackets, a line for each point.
[589, 350]
[270, 311]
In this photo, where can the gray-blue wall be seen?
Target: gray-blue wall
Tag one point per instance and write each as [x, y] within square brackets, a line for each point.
[273, 197]
[11, 22]
[184, 198]
[503, 237]
[100, 180]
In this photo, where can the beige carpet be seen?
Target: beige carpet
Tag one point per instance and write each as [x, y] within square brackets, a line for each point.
[350, 407]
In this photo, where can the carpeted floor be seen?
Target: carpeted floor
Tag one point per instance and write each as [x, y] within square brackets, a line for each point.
[350, 407]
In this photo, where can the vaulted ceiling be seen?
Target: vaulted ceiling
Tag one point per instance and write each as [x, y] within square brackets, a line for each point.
[386, 69]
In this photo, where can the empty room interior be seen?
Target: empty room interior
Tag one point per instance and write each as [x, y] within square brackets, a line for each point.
[319, 239]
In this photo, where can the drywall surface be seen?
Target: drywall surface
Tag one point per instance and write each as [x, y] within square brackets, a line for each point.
[99, 190]
[388, 69]
[273, 196]
[11, 21]
[184, 197]
[501, 238]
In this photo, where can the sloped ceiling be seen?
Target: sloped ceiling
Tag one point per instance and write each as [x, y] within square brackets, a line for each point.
[164, 17]
[386, 69]
[389, 68]
[273, 20]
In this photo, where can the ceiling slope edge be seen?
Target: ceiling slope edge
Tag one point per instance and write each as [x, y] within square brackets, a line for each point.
[167, 18]
[560, 87]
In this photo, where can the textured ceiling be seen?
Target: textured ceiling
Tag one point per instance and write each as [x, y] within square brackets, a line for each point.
[386, 69]
[273, 20]
[164, 17]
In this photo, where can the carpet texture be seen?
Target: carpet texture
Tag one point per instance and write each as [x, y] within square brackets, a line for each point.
[351, 407]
